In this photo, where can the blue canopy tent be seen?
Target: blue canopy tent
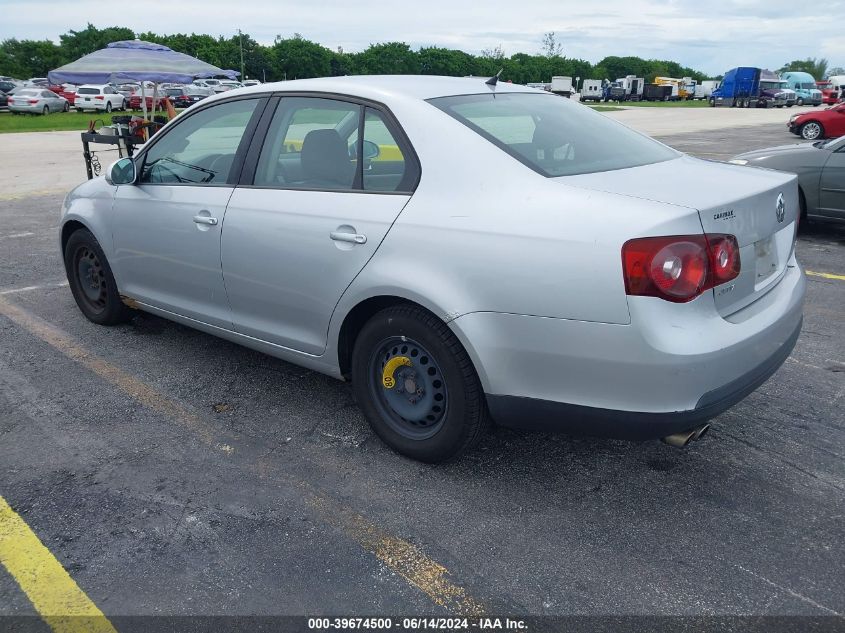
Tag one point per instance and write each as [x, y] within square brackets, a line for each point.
[135, 60]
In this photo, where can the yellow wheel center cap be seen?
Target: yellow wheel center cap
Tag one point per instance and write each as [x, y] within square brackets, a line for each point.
[390, 368]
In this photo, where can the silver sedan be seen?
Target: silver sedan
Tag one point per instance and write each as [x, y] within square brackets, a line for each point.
[463, 251]
[37, 101]
[820, 167]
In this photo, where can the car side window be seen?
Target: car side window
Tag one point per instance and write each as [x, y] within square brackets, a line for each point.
[201, 149]
[385, 166]
[311, 143]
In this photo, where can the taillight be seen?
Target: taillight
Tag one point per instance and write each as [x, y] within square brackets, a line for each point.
[33, 101]
[724, 257]
[679, 267]
[99, 97]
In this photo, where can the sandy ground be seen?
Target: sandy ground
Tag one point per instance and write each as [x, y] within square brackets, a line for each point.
[51, 162]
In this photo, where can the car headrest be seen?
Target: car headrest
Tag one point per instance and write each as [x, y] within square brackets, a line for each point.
[325, 157]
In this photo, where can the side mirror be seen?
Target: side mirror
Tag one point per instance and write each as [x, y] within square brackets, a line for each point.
[371, 150]
[121, 172]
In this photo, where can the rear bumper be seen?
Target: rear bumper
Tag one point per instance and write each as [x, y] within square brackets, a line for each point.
[546, 415]
[673, 367]
[33, 109]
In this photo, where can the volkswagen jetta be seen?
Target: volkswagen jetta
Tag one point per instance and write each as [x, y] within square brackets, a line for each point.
[462, 251]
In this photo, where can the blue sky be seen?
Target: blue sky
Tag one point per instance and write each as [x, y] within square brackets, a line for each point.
[709, 36]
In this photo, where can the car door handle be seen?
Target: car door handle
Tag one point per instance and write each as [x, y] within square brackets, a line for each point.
[352, 238]
[204, 219]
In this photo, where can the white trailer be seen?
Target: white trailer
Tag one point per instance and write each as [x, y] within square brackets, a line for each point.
[591, 90]
[562, 86]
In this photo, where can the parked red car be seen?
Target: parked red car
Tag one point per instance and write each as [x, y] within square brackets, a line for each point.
[815, 124]
[67, 94]
[135, 102]
[830, 93]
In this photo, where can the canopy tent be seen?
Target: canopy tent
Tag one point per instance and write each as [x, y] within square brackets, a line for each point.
[134, 60]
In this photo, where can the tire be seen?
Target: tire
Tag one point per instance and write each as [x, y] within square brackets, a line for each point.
[91, 280]
[435, 409]
[712, 103]
[800, 101]
[811, 131]
[46, 110]
[66, 107]
[108, 106]
[123, 106]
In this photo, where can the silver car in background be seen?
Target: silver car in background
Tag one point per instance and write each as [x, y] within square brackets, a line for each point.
[462, 251]
[36, 101]
[820, 168]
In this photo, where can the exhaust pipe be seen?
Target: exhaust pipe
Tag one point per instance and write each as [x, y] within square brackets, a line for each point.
[680, 440]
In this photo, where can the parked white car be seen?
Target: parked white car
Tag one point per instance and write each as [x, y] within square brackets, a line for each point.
[460, 250]
[99, 97]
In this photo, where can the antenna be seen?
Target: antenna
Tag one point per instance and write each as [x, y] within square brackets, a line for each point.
[495, 79]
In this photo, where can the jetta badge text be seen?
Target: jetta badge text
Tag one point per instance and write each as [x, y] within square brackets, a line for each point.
[724, 215]
[780, 208]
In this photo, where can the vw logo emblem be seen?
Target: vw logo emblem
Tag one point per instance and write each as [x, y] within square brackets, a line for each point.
[780, 208]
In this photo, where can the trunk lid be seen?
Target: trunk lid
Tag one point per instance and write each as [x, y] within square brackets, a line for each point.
[758, 206]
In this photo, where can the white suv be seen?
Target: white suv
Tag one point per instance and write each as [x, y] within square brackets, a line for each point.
[99, 97]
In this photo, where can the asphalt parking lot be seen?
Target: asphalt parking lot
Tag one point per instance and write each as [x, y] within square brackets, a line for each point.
[172, 473]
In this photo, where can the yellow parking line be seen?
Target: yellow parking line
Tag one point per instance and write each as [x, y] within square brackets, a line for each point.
[53, 593]
[402, 557]
[37, 193]
[812, 273]
[135, 388]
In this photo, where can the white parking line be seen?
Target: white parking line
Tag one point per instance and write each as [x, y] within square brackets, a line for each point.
[14, 291]
[13, 235]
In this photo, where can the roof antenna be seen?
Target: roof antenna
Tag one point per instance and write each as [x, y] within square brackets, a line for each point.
[495, 79]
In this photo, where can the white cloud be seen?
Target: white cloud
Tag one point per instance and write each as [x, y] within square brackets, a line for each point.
[710, 36]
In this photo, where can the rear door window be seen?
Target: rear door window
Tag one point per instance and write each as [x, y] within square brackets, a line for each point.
[312, 143]
[385, 165]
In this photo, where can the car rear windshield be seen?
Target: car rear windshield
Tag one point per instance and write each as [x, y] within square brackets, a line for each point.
[553, 135]
[88, 91]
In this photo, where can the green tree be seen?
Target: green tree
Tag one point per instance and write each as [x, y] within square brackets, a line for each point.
[298, 58]
[391, 58]
[75, 44]
[29, 58]
[444, 61]
[816, 67]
